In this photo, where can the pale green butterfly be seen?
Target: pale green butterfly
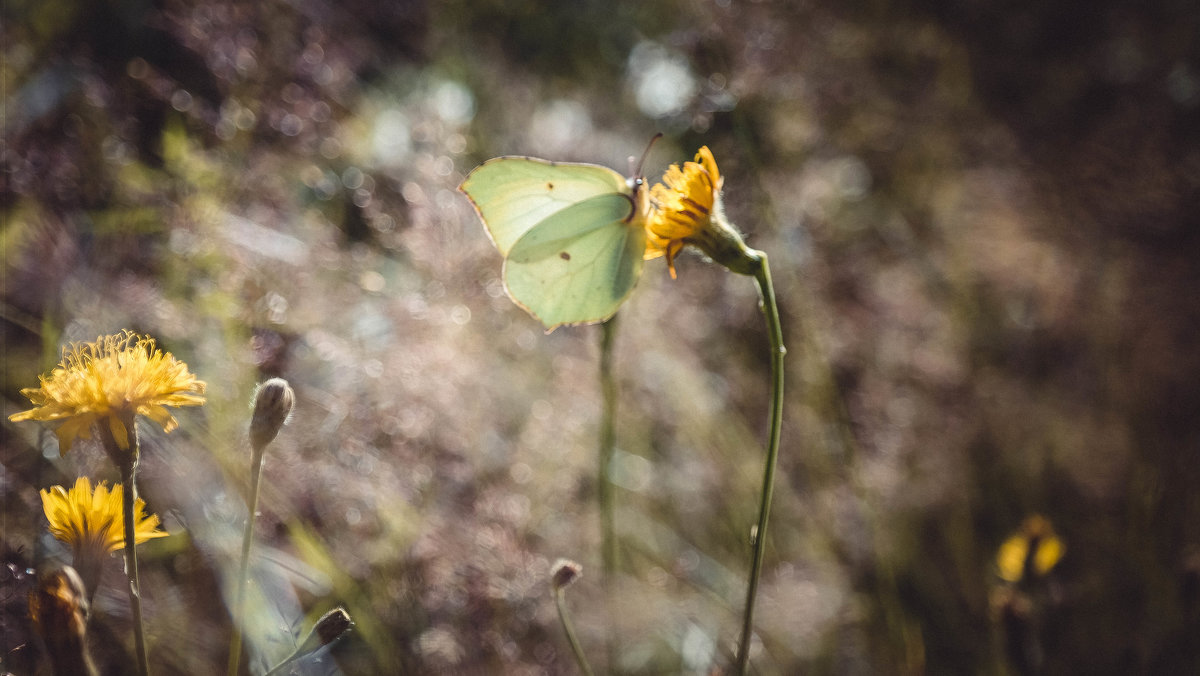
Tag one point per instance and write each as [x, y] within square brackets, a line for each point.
[572, 235]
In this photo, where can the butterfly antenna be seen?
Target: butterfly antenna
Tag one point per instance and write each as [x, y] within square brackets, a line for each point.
[638, 171]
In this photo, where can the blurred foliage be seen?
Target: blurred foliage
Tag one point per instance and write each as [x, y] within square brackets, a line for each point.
[982, 218]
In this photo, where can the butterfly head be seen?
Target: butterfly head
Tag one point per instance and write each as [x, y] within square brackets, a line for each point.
[639, 197]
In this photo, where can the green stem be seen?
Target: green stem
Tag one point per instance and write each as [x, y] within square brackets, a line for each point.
[563, 617]
[128, 466]
[775, 334]
[239, 605]
[604, 486]
[286, 661]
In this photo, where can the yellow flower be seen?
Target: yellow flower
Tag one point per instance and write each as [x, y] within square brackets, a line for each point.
[1035, 547]
[91, 522]
[111, 380]
[683, 207]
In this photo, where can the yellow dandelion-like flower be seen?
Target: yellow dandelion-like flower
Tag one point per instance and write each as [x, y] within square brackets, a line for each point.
[1035, 548]
[110, 381]
[91, 521]
[683, 207]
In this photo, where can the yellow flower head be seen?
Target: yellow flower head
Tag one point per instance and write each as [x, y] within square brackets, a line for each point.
[111, 380]
[683, 207]
[1035, 548]
[91, 522]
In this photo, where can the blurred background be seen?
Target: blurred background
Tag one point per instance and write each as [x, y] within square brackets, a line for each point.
[983, 221]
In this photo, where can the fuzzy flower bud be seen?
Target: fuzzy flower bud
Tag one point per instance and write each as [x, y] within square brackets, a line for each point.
[564, 572]
[273, 402]
[328, 629]
[59, 611]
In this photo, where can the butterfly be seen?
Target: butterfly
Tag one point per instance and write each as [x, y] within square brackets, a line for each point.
[572, 235]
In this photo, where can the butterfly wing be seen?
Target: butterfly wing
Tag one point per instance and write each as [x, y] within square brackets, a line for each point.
[578, 264]
[514, 194]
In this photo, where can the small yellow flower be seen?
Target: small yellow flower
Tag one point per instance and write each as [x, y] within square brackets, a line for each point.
[683, 207]
[1035, 548]
[110, 381]
[91, 522]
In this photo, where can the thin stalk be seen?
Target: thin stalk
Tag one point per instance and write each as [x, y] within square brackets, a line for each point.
[239, 605]
[569, 629]
[762, 275]
[278, 668]
[89, 568]
[604, 486]
[128, 467]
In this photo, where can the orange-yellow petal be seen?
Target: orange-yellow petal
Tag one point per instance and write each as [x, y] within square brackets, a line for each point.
[683, 205]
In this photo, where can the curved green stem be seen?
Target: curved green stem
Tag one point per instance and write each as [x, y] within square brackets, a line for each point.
[239, 605]
[569, 629]
[604, 486]
[775, 334]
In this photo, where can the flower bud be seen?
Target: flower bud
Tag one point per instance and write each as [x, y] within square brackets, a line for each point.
[273, 402]
[328, 629]
[59, 611]
[564, 572]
